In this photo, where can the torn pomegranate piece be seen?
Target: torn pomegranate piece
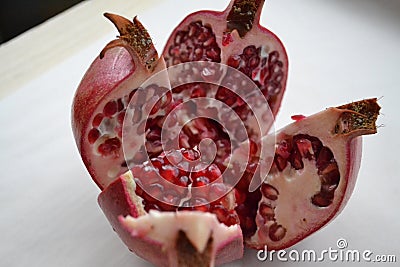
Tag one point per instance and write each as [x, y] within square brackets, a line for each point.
[104, 94]
[166, 238]
[313, 175]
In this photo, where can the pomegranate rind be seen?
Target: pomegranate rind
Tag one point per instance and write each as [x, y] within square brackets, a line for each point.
[153, 236]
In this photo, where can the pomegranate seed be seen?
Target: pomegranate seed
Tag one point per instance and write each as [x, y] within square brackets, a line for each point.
[253, 62]
[273, 57]
[169, 173]
[120, 105]
[191, 154]
[201, 181]
[110, 108]
[153, 134]
[296, 161]
[227, 39]
[193, 28]
[198, 92]
[209, 42]
[171, 197]
[284, 149]
[214, 172]
[157, 162]
[276, 232]
[97, 120]
[280, 162]
[330, 175]
[218, 190]
[269, 191]
[249, 51]
[234, 61]
[240, 197]
[267, 212]
[325, 157]
[110, 147]
[155, 108]
[93, 135]
[320, 200]
[183, 181]
[121, 117]
[166, 100]
[232, 219]
[220, 211]
[304, 147]
[253, 148]
[156, 191]
[214, 54]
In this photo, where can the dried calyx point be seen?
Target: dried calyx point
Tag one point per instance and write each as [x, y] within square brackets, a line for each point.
[188, 255]
[242, 15]
[359, 116]
[135, 38]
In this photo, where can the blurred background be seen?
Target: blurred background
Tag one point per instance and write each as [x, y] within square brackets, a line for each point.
[17, 16]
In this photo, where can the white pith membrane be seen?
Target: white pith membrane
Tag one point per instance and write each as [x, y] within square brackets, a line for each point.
[199, 227]
[293, 209]
[162, 228]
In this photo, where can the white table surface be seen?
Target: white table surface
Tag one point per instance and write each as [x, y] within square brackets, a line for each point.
[339, 51]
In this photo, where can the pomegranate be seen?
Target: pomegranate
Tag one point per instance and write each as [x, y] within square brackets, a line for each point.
[187, 167]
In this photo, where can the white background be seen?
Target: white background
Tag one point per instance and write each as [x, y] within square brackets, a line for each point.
[339, 51]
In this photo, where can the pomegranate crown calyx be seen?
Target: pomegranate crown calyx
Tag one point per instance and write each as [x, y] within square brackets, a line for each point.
[135, 38]
[358, 117]
[243, 14]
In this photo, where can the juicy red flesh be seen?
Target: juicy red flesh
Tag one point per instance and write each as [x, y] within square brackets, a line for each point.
[194, 43]
[159, 194]
[265, 69]
[267, 207]
[247, 212]
[110, 147]
[293, 151]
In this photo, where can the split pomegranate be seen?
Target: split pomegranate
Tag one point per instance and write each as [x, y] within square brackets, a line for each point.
[187, 167]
